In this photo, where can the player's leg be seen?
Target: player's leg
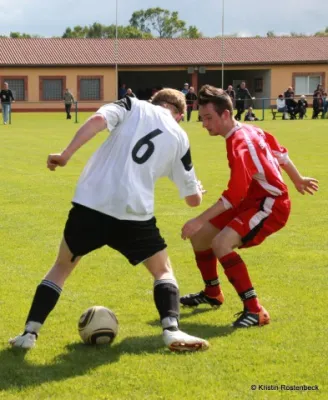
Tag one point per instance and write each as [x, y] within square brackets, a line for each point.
[82, 234]
[140, 241]
[166, 297]
[46, 297]
[236, 271]
[250, 228]
[206, 262]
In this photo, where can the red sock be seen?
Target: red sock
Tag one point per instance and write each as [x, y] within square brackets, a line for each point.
[207, 264]
[236, 271]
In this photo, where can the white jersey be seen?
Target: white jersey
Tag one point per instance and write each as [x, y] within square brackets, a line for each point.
[145, 143]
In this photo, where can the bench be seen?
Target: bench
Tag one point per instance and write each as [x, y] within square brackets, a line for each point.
[275, 112]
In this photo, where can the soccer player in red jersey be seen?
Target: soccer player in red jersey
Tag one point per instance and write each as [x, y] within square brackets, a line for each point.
[255, 205]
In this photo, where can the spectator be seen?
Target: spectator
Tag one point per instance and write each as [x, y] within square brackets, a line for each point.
[317, 105]
[69, 100]
[191, 98]
[281, 106]
[6, 99]
[291, 104]
[325, 104]
[250, 116]
[129, 93]
[122, 91]
[241, 95]
[302, 105]
[185, 89]
[319, 90]
[230, 91]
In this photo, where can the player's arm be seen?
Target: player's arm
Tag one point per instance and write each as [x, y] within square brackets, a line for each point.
[88, 130]
[302, 184]
[110, 116]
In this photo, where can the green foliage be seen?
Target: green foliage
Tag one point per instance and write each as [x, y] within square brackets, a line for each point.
[162, 23]
[17, 35]
[322, 33]
[289, 272]
[271, 34]
[97, 30]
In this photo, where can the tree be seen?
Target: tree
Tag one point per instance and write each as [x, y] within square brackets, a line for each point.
[164, 23]
[77, 32]
[322, 33]
[271, 34]
[192, 33]
[97, 30]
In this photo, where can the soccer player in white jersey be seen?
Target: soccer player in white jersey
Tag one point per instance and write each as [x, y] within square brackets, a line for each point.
[114, 202]
[254, 205]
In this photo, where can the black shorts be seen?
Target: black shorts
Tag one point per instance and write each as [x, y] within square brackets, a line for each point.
[87, 230]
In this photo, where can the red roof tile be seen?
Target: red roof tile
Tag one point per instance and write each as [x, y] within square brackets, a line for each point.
[207, 51]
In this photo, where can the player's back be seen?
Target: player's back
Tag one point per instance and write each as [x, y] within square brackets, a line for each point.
[143, 146]
[261, 161]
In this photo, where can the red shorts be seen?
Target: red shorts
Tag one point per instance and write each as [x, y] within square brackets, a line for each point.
[254, 220]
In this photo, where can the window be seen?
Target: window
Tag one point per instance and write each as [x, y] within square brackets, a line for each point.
[18, 86]
[90, 88]
[307, 84]
[258, 85]
[52, 88]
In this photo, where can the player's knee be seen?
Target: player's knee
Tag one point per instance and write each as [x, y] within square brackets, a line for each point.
[221, 245]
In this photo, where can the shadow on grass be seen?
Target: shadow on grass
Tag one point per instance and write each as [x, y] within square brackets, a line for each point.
[78, 359]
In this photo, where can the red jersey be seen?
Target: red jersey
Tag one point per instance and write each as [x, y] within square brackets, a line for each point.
[254, 157]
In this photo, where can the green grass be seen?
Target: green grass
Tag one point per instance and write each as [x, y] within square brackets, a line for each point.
[289, 272]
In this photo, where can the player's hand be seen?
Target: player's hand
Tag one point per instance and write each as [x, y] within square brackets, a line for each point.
[201, 187]
[190, 228]
[56, 160]
[307, 185]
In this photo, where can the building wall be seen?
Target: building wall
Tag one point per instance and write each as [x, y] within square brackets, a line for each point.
[283, 76]
[276, 79]
[70, 75]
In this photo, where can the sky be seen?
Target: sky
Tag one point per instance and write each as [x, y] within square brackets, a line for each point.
[247, 18]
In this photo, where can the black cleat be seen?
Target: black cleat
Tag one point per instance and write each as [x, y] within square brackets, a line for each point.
[195, 299]
[247, 319]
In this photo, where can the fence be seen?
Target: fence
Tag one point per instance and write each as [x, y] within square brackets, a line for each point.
[262, 107]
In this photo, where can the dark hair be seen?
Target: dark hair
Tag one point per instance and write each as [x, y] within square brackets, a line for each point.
[221, 100]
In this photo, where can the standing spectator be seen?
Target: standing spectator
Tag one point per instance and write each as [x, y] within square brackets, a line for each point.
[191, 98]
[185, 89]
[281, 106]
[319, 90]
[302, 105]
[291, 104]
[232, 94]
[250, 116]
[241, 95]
[122, 91]
[69, 100]
[6, 99]
[325, 104]
[317, 105]
[129, 93]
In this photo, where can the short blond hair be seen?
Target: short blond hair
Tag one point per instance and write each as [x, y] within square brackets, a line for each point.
[170, 96]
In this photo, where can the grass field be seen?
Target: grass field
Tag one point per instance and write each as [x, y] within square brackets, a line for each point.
[289, 272]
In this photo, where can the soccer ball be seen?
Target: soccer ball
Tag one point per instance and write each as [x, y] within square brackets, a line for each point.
[98, 325]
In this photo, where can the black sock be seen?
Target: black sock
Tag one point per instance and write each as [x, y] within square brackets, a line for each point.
[166, 297]
[45, 299]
